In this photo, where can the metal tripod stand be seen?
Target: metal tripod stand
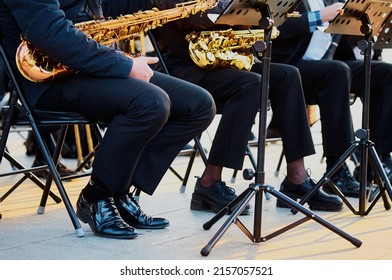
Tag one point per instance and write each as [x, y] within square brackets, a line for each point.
[367, 148]
[259, 188]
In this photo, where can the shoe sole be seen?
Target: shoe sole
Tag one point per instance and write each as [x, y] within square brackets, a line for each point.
[148, 227]
[328, 190]
[312, 205]
[82, 217]
[201, 203]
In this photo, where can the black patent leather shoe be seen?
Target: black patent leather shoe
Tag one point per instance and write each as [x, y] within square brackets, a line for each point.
[319, 201]
[132, 214]
[104, 218]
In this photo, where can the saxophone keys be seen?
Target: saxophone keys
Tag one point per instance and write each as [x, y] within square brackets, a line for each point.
[210, 56]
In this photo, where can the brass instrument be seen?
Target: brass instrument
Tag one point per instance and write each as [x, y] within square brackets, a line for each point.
[225, 48]
[35, 66]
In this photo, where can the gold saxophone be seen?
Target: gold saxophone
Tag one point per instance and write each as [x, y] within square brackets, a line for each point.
[35, 66]
[225, 48]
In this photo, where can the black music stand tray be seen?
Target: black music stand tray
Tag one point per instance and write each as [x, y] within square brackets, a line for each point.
[259, 13]
[361, 18]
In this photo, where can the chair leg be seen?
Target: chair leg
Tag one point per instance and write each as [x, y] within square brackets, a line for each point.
[54, 157]
[54, 174]
[188, 169]
[197, 148]
[279, 163]
[86, 162]
[82, 162]
[78, 143]
[200, 148]
[16, 166]
[30, 175]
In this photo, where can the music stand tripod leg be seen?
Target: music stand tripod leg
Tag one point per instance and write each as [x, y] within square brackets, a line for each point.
[366, 46]
[326, 179]
[365, 145]
[232, 219]
[259, 190]
[383, 183]
[381, 176]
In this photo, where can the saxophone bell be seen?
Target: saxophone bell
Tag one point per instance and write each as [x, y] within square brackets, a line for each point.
[36, 67]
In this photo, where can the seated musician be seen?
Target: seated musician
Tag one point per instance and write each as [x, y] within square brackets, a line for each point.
[150, 116]
[237, 94]
[329, 83]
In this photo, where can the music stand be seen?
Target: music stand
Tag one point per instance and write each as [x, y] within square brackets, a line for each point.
[362, 18]
[259, 13]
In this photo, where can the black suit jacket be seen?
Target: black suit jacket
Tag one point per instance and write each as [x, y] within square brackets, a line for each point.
[48, 24]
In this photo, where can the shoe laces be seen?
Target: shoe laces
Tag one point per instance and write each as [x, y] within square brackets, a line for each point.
[226, 190]
[312, 181]
[109, 210]
[343, 173]
[347, 174]
[142, 215]
[131, 198]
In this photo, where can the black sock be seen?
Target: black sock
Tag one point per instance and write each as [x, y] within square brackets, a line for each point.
[94, 191]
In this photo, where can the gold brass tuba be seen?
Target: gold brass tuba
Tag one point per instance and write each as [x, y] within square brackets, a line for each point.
[225, 48]
[35, 66]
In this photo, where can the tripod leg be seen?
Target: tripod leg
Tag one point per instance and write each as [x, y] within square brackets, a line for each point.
[328, 175]
[255, 191]
[356, 242]
[207, 249]
[279, 164]
[380, 169]
[381, 176]
[228, 209]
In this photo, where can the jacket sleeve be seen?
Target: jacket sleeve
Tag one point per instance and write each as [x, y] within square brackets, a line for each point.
[44, 25]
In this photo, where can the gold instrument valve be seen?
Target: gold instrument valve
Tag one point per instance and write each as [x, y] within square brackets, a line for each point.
[225, 48]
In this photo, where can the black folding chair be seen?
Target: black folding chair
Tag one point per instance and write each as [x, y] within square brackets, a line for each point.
[18, 113]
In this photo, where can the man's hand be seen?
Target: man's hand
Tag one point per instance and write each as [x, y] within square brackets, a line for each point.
[141, 69]
[329, 13]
